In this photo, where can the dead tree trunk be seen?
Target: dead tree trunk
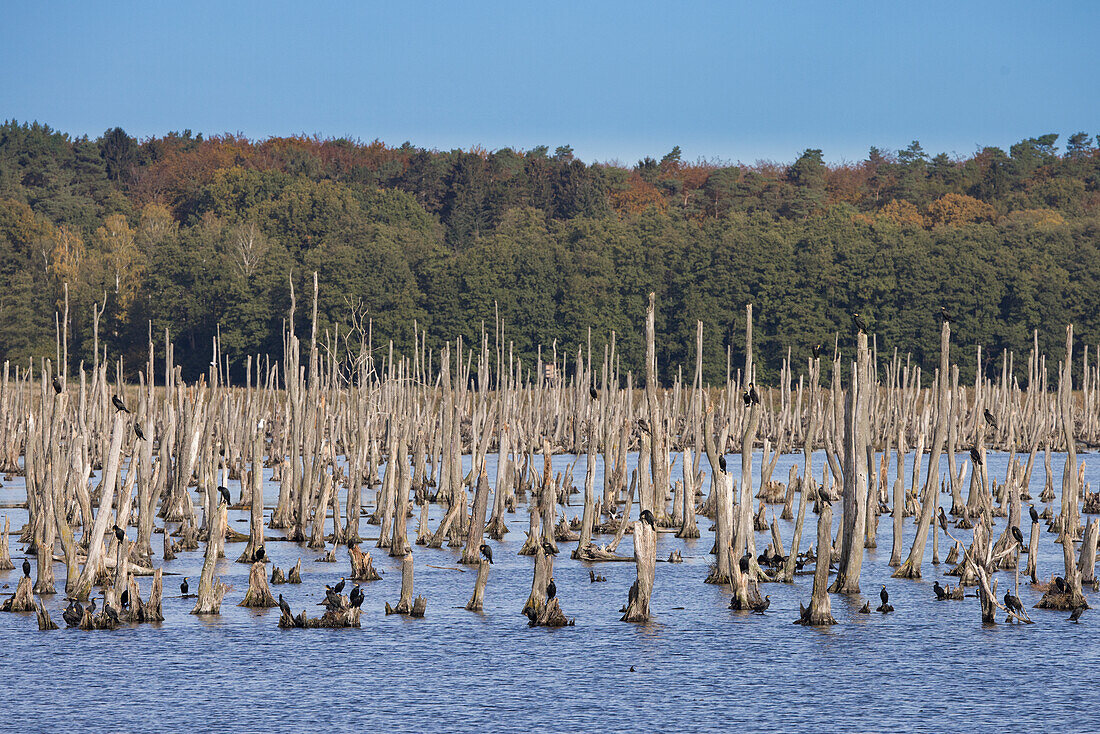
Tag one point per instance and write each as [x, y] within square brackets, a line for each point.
[259, 593]
[477, 601]
[212, 590]
[820, 610]
[645, 558]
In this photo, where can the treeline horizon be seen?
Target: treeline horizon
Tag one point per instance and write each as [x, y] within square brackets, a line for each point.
[202, 236]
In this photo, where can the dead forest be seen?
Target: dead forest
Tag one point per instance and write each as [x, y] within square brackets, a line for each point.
[109, 467]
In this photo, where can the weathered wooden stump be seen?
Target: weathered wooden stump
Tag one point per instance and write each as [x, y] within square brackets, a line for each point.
[22, 600]
[405, 603]
[43, 614]
[645, 558]
[819, 613]
[259, 593]
[277, 575]
[362, 565]
[295, 575]
[5, 554]
[476, 603]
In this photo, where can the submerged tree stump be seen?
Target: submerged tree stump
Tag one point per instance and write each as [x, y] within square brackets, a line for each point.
[543, 572]
[43, 614]
[476, 603]
[277, 575]
[22, 600]
[259, 593]
[295, 575]
[819, 613]
[551, 616]
[645, 558]
[405, 603]
[5, 554]
[212, 590]
[362, 565]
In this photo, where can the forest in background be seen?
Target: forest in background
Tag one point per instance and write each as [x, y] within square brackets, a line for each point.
[200, 235]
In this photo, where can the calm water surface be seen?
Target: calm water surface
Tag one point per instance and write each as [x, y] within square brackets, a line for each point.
[927, 667]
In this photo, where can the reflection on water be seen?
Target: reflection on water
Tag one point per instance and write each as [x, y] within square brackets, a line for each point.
[929, 666]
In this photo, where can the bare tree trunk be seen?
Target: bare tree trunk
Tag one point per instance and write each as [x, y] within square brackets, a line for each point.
[820, 609]
[476, 603]
[645, 558]
[212, 590]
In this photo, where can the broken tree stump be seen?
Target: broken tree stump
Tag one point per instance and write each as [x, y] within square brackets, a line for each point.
[43, 614]
[405, 603]
[645, 558]
[259, 593]
[212, 590]
[476, 603]
[362, 565]
[22, 600]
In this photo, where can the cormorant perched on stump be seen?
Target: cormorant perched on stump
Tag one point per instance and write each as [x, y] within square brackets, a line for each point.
[944, 317]
[285, 607]
[26, 568]
[551, 590]
[1034, 514]
[356, 597]
[647, 518]
[941, 593]
[339, 588]
[57, 384]
[975, 456]
[593, 393]
[1076, 614]
[761, 606]
[138, 432]
[487, 552]
[119, 533]
[884, 595]
[722, 463]
[183, 586]
[859, 324]
[1018, 536]
[224, 492]
[119, 405]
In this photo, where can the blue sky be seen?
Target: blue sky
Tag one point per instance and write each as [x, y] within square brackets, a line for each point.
[616, 80]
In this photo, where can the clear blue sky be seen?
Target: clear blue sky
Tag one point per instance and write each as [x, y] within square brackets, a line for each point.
[616, 80]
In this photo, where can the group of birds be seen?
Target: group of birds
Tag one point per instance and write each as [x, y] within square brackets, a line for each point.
[333, 600]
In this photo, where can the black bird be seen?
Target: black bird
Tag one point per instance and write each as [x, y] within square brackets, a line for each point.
[761, 606]
[91, 607]
[647, 518]
[487, 552]
[125, 598]
[975, 456]
[285, 607]
[593, 393]
[1013, 604]
[57, 384]
[119, 405]
[71, 615]
[119, 533]
[259, 554]
[753, 395]
[859, 324]
[532, 617]
[816, 350]
[551, 590]
[548, 549]
[746, 398]
[26, 568]
[138, 432]
[943, 315]
[339, 588]
[1076, 614]
[224, 492]
[941, 593]
[110, 612]
[183, 587]
[1018, 536]
[1034, 514]
[643, 425]
[1060, 585]
[356, 597]
[332, 599]
[744, 563]
[943, 520]
[884, 595]
[722, 463]
[990, 419]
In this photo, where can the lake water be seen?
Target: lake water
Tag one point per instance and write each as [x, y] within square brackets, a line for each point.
[927, 667]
